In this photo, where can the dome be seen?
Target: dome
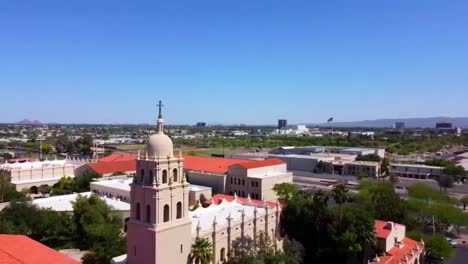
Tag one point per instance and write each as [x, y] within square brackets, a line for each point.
[159, 145]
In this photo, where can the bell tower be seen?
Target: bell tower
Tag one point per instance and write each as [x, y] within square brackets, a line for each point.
[159, 228]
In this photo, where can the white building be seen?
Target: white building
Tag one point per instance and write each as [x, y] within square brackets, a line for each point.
[416, 171]
[36, 173]
[120, 189]
[64, 203]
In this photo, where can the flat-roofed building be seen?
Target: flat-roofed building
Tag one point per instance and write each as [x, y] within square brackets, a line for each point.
[120, 189]
[35, 173]
[64, 203]
[329, 149]
[243, 177]
[257, 179]
[333, 163]
[416, 171]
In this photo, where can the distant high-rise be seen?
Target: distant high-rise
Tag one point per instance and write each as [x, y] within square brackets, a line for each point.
[282, 123]
[443, 125]
[399, 125]
[201, 124]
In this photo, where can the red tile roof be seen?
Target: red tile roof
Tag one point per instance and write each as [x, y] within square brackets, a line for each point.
[19, 249]
[111, 167]
[218, 197]
[207, 164]
[397, 255]
[261, 163]
[117, 157]
[115, 162]
[380, 230]
[126, 162]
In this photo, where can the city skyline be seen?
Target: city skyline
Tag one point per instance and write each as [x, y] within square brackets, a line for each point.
[221, 62]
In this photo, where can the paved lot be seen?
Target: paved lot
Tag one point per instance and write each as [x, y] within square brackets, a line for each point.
[461, 256]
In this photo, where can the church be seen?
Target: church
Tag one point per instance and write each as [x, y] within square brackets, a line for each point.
[161, 228]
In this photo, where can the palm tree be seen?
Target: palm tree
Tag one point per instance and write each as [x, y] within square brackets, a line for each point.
[340, 195]
[202, 251]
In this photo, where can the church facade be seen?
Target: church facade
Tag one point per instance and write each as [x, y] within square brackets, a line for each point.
[161, 228]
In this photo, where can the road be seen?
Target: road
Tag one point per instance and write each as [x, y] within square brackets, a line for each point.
[461, 256]
[458, 189]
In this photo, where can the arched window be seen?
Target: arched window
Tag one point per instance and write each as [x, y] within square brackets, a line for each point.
[151, 176]
[223, 254]
[138, 211]
[231, 180]
[243, 182]
[174, 175]
[164, 176]
[179, 210]
[166, 213]
[148, 213]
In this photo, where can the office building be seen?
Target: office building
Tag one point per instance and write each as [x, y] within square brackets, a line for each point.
[399, 125]
[282, 123]
[444, 125]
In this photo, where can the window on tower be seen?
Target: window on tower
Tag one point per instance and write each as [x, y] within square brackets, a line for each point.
[138, 211]
[223, 254]
[148, 213]
[142, 174]
[151, 176]
[179, 210]
[174, 175]
[166, 213]
[164, 176]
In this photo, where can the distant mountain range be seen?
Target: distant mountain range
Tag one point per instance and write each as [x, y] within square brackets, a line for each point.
[29, 122]
[428, 122]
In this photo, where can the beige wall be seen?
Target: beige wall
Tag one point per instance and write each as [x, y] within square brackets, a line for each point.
[110, 191]
[194, 196]
[216, 181]
[256, 182]
[27, 177]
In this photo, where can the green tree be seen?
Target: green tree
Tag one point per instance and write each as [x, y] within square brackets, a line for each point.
[285, 191]
[439, 247]
[386, 204]
[340, 195]
[425, 192]
[46, 149]
[202, 251]
[385, 167]
[445, 182]
[7, 190]
[98, 228]
[65, 185]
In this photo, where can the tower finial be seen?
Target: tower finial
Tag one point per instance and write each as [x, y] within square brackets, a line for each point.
[160, 105]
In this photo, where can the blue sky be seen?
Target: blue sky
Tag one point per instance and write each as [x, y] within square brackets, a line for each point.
[232, 61]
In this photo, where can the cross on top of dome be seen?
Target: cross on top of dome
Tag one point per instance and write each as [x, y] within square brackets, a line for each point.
[160, 105]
